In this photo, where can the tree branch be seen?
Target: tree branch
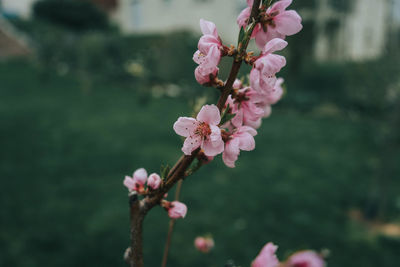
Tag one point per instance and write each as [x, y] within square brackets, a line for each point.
[139, 208]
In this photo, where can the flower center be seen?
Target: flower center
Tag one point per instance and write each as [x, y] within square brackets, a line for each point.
[203, 130]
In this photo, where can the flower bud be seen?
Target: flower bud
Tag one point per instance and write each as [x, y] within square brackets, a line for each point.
[177, 210]
[140, 176]
[154, 181]
[203, 244]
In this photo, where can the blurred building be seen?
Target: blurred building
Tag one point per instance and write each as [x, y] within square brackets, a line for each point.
[16, 8]
[351, 30]
[341, 29]
[161, 16]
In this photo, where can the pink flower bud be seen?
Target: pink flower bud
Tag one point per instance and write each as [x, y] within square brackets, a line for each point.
[203, 244]
[140, 176]
[177, 210]
[305, 258]
[154, 181]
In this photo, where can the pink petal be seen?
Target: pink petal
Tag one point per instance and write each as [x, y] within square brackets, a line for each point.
[250, 3]
[231, 152]
[254, 124]
[209, 114]
[154, 181]
[306, 258]
[140, 176]
[275, 44]
[266, 257]
[177, 210]
[185, 126]
[246, 142]
[129, 183]
[212, 149]
[264, 37]
[215, 135]
[288, 23]
[206, 42]
[190, 144]
[198, 57]
[247, 129]
[243, 17]
[280, 6]
[208, 27]
[267, 111]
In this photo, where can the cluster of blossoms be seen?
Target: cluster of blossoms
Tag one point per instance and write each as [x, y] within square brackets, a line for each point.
[137, 183]
[246, 104]
[268, 258]
[231, 126]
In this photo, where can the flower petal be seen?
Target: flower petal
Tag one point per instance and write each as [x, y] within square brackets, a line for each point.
[140, 176]
[209, 114]
[212, 149]
[185, 126]
[231, 152]
[190, 144]
[275, 44]
[288, 23]
[208, 27]
[280, 6]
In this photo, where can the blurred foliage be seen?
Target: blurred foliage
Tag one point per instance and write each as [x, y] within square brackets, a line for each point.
[65, 152]
[332, 145]
[78, 15]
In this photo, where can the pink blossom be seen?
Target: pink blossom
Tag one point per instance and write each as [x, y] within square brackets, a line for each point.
[273, 96]
[177, 210]
[244, 105]
[305, 258]
[154, 181]
[203, 244]
[276, 23]
[266, 257]
[137, 181]
[262, 76]
[201, 132]
[241, 139]
[208, 54]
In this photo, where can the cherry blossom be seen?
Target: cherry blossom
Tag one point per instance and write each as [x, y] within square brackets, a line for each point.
[241, 139]
[276, 22]
[154, 181]
[137, 181]
[176, 210]
[203, 244]
[262, 76]
[208, 54]
[201, 132]
[245, 107]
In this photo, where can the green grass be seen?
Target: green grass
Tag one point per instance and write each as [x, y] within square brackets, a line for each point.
[64, 153]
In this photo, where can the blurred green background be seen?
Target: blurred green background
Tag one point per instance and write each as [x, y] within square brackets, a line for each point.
[89, 105]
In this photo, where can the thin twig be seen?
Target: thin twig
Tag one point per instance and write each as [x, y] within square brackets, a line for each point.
[171, 227]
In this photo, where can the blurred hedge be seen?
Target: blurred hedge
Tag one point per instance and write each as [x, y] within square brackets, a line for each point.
[75, 14]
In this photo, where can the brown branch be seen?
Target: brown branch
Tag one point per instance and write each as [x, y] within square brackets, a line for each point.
[136, 218]
[139, 208]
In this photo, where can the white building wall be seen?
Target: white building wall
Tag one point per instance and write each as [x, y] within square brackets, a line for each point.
[158, 16]
[20, 8]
